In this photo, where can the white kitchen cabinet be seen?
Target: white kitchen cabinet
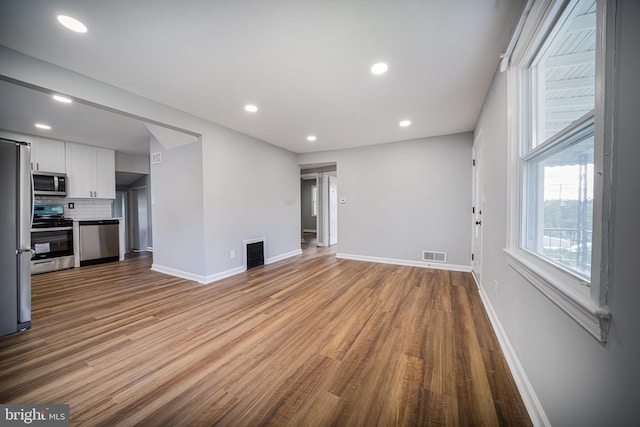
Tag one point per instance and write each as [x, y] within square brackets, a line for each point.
[47, 155]
[105, 173]
[91, 172]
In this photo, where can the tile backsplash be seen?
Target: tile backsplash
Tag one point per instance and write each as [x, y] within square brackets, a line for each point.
[83, 208]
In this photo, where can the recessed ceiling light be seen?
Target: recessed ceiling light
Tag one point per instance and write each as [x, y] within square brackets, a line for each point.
[72, 24]
[405, 123]
[379, 68]
[311, 138]
[43, 126]
[62, 99]
[250, 108]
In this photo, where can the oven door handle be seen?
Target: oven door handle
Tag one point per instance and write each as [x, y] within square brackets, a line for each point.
[42, 230]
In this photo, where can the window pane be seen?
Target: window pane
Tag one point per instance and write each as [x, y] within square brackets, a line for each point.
[559, 205]
[564, 73]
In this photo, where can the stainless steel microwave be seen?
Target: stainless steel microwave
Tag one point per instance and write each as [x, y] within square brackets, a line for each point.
[49, 184]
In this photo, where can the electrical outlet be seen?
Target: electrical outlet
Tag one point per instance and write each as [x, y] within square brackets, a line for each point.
[232, 253]
[495, 287]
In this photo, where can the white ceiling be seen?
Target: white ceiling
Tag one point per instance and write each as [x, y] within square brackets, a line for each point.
[21, 107]
[305, 64]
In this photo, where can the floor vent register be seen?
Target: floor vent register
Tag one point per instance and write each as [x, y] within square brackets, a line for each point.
[255, 255]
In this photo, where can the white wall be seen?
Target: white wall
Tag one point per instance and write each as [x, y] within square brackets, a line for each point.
[252, 189]
[205, 194]
[578, 381]
[404, 197]
[132, 164]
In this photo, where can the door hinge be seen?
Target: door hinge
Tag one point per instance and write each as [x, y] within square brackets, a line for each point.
[474, 162]
[472, 256]
[473, 209]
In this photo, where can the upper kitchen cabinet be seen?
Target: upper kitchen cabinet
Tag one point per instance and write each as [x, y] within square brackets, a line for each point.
[91, 172]
[47, 155]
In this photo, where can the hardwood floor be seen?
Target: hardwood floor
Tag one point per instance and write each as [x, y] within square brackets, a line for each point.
[309, 341]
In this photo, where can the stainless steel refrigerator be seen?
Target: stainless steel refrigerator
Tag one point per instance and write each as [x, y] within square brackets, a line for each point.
[15, 236]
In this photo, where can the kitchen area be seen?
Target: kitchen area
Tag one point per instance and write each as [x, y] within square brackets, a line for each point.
[85, 210]
[73, 188]
[66, 213]
[75, 179]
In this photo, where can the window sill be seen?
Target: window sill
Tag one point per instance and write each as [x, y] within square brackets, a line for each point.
[563, 290]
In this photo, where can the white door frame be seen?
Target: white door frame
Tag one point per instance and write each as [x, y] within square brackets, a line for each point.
[333, 209]
[478, 206]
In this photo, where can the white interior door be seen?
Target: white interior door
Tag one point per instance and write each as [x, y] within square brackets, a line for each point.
[333, 210]
[478, 202]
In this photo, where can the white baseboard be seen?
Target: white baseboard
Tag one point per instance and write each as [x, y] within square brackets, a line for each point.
[410, 263]
[217, 276]
[197, 277]
[177, 273]
[528, 394]
[309, 230]
[283, 256]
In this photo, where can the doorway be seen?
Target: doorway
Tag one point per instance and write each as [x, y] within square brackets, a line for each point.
[139, 231]
[319, 205]
[478, 205]
[333, 210]
[309, 210]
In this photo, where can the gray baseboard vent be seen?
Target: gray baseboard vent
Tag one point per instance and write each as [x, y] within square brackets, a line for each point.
[433, 256]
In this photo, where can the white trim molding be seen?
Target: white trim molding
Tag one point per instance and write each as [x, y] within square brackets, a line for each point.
[528, 394]
[218, 276]
[574, 301]
[283, 256]
[196, 277]
[585, 302]
[406, 262]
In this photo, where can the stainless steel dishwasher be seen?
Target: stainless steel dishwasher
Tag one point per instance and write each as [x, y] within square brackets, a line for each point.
[99, 241]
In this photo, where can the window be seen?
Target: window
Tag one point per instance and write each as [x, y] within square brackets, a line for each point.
[558, 214]
[314, 200]
[557, 162]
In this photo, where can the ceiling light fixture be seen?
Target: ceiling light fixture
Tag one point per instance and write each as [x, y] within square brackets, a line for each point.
[250, 108]
[43, 126]
[405, 123]
[62, 99]
[311, 138]
[72, 24]
[379, 68]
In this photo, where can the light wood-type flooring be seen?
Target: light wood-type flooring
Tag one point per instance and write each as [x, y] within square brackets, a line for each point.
[309, 341]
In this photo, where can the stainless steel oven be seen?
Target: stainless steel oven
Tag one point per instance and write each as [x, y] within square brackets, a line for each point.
[51, 243]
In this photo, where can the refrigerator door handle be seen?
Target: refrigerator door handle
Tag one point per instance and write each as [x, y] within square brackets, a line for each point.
[24, 290]
[25, 197]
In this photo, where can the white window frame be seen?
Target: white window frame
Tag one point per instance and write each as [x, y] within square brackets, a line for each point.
[587, 305]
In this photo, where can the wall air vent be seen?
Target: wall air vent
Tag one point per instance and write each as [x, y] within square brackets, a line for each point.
[433, 256]
[156, 158]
